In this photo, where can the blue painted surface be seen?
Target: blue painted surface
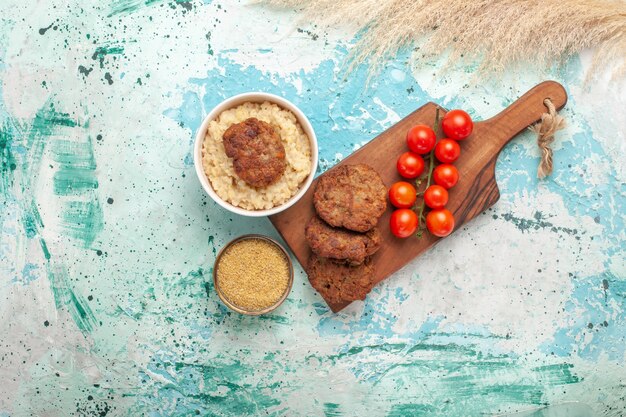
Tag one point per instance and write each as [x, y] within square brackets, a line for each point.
[525, 306]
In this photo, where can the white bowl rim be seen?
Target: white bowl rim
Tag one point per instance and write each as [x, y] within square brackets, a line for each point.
[254, 97]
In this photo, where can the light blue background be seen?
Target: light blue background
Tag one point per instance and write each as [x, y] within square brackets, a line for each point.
[108, 240]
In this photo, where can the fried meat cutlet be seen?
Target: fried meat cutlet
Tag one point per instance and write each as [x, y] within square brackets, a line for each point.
[342, 244]
[257, 151]
[351, 196]
[340, 282]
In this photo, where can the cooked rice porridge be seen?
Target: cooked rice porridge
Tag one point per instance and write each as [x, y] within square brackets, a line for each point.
[219, 167]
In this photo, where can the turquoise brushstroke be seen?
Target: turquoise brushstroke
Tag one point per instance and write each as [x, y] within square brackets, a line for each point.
[83, 220]
[66, 298]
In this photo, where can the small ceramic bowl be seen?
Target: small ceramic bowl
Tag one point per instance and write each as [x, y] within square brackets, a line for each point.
[235, 101]
[237, 308]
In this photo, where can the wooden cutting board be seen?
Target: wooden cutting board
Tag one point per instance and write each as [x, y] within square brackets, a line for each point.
[475, 192]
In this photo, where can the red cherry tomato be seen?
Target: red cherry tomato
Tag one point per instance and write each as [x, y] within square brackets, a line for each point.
[421, 139]
[446, 175]
[402, 194]
[440, 222]
[457, 124]
[403, 222]
[410, 165]
[447, 150]
[436, 197]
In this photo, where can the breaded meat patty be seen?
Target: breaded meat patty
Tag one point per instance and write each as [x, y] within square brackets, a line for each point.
[340, 282]
[257, 151]
[351, 196]
[339, 243]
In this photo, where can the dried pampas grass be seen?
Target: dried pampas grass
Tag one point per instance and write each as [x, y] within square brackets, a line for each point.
[494, 34]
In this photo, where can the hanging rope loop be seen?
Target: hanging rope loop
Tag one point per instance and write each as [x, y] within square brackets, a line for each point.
[550, 123]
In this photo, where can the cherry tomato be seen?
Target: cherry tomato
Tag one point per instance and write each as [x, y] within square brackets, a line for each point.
[410, 165]
[447, 150]
[403, 222]
[457, 124]
[436, 197]
[421, 139]
[402, 194]
[446, 175]
[440, 222]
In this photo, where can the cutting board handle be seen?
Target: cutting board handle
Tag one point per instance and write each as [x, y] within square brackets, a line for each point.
[526, 110]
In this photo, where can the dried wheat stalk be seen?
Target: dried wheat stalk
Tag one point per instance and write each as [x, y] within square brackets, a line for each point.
[494, 33]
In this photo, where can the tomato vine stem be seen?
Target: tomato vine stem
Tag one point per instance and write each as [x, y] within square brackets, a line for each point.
[431, 166]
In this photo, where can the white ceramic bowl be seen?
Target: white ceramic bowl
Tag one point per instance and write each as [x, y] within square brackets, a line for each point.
[235, 101]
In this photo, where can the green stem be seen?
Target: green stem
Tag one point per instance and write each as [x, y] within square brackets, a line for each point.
[431, 167]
